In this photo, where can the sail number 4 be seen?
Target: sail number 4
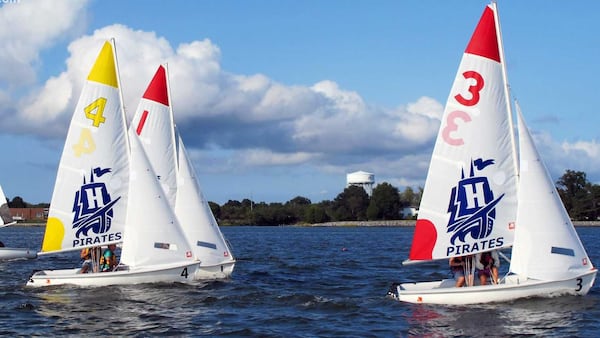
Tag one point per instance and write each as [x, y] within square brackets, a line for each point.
[184, 273]
[95, 112]
[451, 118]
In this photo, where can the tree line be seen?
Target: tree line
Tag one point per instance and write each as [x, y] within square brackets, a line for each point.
[580, 197]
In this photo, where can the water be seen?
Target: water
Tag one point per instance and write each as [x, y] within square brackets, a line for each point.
[289, 282]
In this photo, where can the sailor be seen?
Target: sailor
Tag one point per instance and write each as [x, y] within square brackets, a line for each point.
[108, 261]
[458, 265]
[88, 257]
[487, 264]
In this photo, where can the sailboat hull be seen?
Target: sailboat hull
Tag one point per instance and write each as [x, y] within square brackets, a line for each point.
[121, 276]
[513, 287]
[219, 271]
[15, 253]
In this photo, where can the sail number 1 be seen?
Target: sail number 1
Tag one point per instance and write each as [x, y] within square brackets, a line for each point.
[451, 118]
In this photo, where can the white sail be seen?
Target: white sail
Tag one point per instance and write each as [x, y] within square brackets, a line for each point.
[469, 199]
[89, 203]
[153, 235]
[546, 245]
[153, 124]
[196, 217]
[5, 218]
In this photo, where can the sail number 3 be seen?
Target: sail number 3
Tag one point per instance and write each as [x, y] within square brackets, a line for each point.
[451, 119]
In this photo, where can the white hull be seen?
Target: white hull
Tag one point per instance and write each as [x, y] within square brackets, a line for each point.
[15, 253]
[220, 271]
[513, 287]
[159, 274]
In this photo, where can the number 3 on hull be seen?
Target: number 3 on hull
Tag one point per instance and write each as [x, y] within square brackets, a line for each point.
[477, 199]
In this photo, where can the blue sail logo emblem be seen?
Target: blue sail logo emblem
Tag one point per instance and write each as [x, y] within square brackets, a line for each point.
[93, 206]
[472, 205]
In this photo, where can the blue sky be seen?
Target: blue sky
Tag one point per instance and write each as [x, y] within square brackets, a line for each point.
[277, 99]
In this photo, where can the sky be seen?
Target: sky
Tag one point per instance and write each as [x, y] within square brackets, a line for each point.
[282, 98]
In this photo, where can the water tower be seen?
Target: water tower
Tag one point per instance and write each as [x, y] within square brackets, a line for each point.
[362, 179]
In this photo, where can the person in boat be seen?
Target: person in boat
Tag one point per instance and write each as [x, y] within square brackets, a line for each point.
[458, 266]
[88, 257]
[487, 264]
[108, 261]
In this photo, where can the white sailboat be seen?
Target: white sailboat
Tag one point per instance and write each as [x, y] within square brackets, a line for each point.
[475, 200]
[106, 193]
[6, 220]
[153, 124]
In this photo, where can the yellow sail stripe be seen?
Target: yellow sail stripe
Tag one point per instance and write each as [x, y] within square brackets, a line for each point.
[104, 70]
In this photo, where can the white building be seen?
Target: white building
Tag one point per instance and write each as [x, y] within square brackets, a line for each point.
[362, 179]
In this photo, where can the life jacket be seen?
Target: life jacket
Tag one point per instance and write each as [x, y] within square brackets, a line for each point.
[106, 263]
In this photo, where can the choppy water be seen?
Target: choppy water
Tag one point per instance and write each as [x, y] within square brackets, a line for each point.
[289, 282]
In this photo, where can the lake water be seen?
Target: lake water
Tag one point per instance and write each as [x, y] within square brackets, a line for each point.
[289, 282]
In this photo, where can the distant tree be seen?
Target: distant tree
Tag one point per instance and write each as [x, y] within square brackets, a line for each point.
[215, 208]
[575, 192]
[351, 204]
[296, 208]
[17, 202]
[299, 200]
[316, 213]
[410, 198]
[373, 213]
[385, 203]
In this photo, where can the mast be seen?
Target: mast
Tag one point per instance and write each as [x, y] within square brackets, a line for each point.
[114, 47]
[172, 120]
[506, 87]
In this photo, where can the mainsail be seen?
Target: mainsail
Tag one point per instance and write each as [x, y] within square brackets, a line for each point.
[153, 124]
[89, 203]
[469, 201]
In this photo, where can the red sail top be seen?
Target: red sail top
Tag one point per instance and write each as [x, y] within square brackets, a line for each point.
[484, 41]
[157, 89]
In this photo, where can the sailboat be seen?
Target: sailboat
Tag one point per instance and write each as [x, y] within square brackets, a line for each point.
[6, 220]
[154, 125]
[106, 192]
[481, 194]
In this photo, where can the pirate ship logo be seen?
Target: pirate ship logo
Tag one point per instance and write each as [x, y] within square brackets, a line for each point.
[472, 211]
[93, 208]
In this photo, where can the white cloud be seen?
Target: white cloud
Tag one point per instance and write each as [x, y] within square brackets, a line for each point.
[239, 122]
[265, 158]
[29, 27]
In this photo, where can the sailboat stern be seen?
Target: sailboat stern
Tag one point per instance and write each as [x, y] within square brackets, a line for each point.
[222, 270]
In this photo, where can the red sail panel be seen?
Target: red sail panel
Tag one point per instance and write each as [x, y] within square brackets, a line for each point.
[484, 41]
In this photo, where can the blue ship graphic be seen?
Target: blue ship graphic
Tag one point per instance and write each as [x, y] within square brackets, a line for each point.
[472, 204]
[93, 205]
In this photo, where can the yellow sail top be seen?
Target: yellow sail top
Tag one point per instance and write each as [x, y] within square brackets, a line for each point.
[104, 70]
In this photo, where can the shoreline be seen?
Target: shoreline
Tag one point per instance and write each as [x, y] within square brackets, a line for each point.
[386, 223]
